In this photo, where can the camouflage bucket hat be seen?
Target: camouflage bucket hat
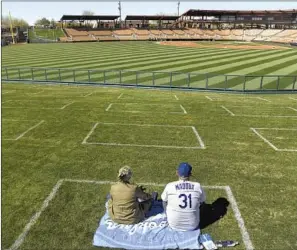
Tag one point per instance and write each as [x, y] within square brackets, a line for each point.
[125, 173]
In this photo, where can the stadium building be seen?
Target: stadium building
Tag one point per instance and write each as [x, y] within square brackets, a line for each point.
[268, 26]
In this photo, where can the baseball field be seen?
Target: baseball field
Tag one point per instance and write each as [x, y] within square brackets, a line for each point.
[62, 145]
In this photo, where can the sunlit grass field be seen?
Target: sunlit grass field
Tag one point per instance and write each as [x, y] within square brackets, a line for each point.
[150, 56]
[51, 34]
[46, 138]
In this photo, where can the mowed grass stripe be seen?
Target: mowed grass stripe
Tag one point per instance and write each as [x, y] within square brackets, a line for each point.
[137, 61]
[92, 58]
[239, 67]
[77, 53]
[214, 64]
[60, 48]
[185, 62]
[261, 67]
[184, 65]
[148, 61]
[148, 65]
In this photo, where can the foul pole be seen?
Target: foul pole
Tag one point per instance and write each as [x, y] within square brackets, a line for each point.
[11, 30]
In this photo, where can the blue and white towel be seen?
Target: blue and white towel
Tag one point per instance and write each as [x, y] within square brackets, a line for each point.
[152, 233]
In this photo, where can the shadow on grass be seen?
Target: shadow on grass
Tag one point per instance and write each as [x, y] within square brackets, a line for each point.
[210, 213]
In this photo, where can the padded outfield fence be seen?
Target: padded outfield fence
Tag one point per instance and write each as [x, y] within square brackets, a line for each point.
[155, 79]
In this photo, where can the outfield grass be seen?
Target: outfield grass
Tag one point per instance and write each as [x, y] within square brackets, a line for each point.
[263, 181]
[51, 34]
[149, 56]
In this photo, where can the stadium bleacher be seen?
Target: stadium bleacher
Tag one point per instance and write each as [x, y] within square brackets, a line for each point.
[179, 28]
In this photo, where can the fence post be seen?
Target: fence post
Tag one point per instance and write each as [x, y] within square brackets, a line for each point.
[261, 83]
[19, 74]
[153, 78]
[170, 79]
[295, 78]
[244, 83]
[6, 73]
[45, 74]
[104, 77]
[60, 79]
[277, 86]
[32, 74]
[206, 85]
[226, 82]
[136, 78]
[189, 79]
[74, 75]
[120, 77]
[89, 77]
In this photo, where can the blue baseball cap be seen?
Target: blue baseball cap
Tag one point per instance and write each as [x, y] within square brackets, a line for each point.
[184, 169]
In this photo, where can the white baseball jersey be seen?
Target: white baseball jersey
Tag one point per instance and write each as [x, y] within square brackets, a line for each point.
[183, 201]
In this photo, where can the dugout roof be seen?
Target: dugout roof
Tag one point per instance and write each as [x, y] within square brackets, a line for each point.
[88, 18]
[150, 18]
[193, 12]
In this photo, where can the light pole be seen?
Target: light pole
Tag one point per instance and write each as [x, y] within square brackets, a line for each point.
[120, 11]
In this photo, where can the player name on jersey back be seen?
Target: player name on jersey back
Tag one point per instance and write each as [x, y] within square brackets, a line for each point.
[184, 185]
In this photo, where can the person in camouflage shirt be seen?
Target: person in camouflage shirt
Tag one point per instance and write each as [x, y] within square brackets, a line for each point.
[128, 202]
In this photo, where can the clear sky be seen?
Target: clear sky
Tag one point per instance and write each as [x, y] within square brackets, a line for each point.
[31, 11]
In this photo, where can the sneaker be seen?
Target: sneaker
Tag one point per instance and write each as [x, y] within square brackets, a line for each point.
[226, 243]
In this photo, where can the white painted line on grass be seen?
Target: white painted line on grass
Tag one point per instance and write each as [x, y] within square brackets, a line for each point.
[17, 120]
[21, 135]
[263, 99]
[7, 101]
[140, 145]
[202, 146]
[269, 143]
[36, 92]
[145, 125]
[231, 113]
[119, 97]
[140, 183]
[287, 150]
[292, 98]
[89, 94]
[277, 128]
[292, 109]
[244, 233]
[6, 92]
[183, 109]
[176, 97]
[264, 139]
[66, 105]
[109, 106]
[35, 217]
[273, 116]
[91, 131]
[209, 98]
[198, 137]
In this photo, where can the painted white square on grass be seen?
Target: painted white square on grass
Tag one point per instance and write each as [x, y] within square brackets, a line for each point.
[192, 130]
[255, 130]
[232, 113]
[180, 108]
[244, 233]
